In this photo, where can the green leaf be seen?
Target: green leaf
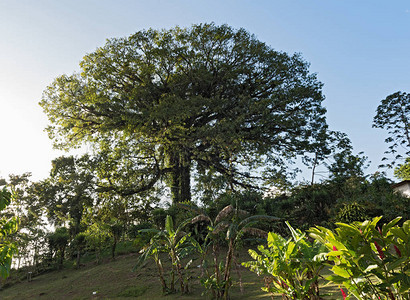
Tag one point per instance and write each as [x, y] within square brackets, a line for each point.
[290, 249]
[370, 268]
[169, 225]
[387, 227]
[397, 263]
[341, 272]
[349, 228]
[406, 227]
[336, 279]
[335, 253]
[399, 232]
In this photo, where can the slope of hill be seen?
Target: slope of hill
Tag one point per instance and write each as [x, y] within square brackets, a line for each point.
[115, 280]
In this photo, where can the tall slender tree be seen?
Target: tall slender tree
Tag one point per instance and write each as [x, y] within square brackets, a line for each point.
[393, 114]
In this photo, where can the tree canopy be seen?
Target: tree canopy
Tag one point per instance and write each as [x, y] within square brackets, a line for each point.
[393, 114]
[161, 103]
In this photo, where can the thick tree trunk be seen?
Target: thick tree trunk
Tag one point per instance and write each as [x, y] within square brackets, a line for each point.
[175, 178]
[180, 182]
[185, 178]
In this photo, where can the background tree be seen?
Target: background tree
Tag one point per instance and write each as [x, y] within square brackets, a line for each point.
[393, 114]
[68, 191]
[403, 171]
[8, 226]
[58, 242]
[158, 104]
[329, 147]
[31, 238]
[347, 165]
[97, 236]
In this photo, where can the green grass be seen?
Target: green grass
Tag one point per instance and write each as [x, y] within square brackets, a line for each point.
[115, 280]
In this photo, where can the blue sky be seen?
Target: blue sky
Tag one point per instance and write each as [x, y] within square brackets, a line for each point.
[359, 50]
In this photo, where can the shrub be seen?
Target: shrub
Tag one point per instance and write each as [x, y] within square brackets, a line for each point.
[372, 263]
[291, 266]
[139, 236]
[350, 212]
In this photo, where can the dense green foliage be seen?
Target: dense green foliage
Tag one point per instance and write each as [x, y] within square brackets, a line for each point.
[58, 242]
[291, 266]
[157, 104]
[351, 199]
[371, 262]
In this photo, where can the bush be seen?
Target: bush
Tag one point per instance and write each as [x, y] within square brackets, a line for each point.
[140, 238]
[350, 212]
[371, 263]
[291, 266]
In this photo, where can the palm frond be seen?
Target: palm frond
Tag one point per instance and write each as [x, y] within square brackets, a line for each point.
[242, 213]
[220, 227]
[226, 211]
[255, 232]
[201, 218]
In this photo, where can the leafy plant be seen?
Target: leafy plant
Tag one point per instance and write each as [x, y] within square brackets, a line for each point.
[372, 263]
[291, 266]
[174, 242]
[233, 223]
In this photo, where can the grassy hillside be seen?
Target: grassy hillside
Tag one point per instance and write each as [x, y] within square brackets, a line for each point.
[115, 280]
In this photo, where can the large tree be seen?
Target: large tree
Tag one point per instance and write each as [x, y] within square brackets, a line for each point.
[160, 103]
[393, 114]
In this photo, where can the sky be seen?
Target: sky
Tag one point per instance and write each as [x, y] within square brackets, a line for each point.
[358, 49]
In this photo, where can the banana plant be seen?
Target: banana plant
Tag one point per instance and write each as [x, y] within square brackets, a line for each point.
[233, 223]
[173, 241]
